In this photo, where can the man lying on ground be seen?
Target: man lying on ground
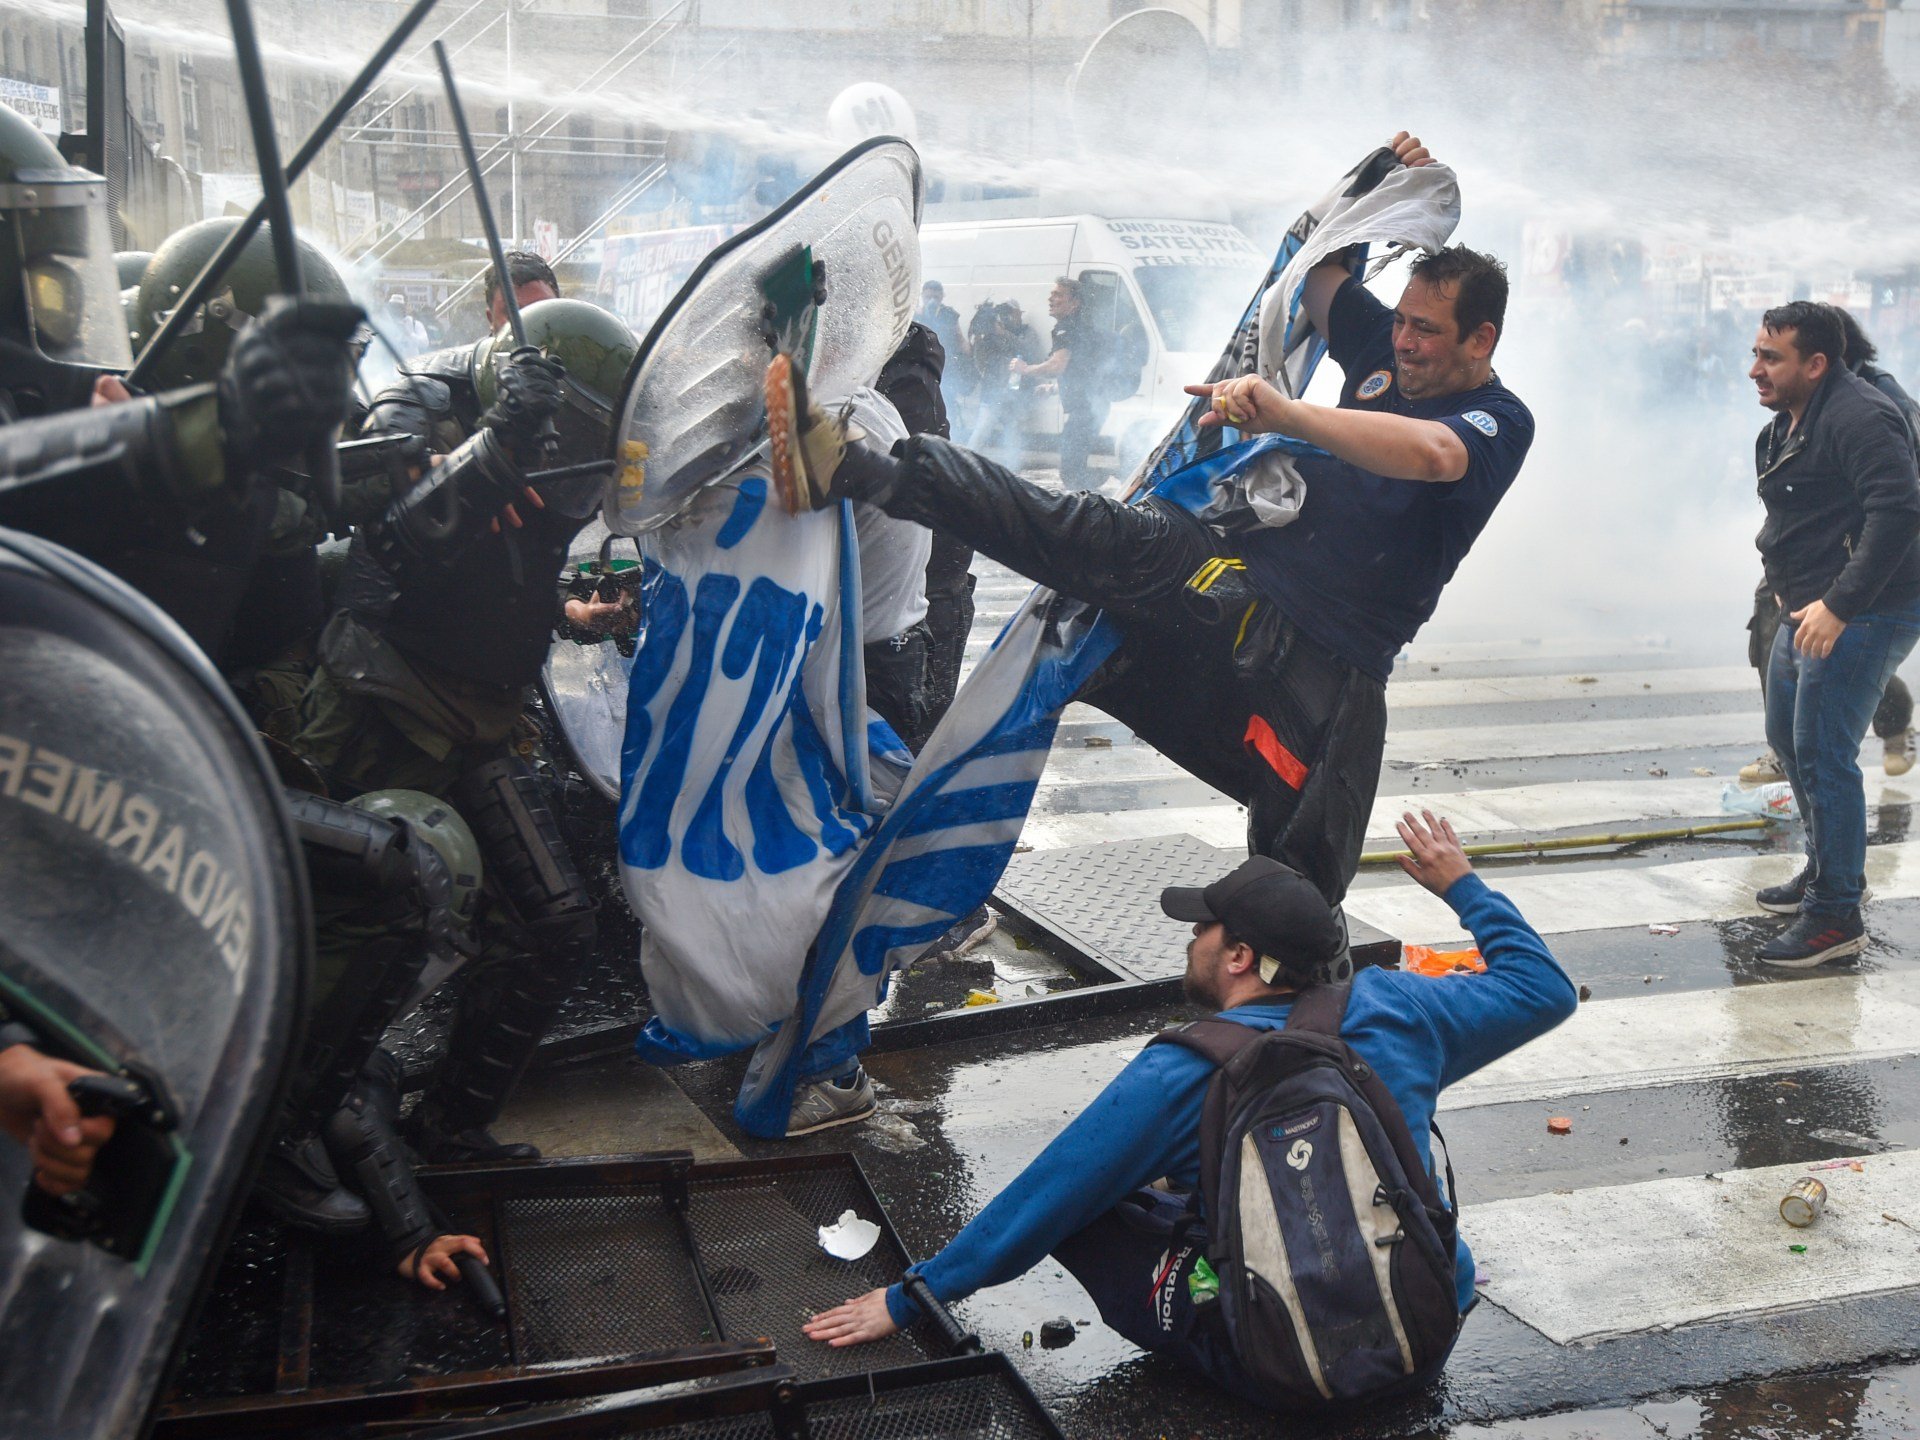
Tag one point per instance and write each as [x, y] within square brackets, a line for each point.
[1262, 937]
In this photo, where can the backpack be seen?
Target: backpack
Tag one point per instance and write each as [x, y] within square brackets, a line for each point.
[1334, 1249]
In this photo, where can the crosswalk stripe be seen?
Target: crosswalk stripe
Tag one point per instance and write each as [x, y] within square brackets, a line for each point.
[1607, 1261]
[1482, 814]
[1573, 685]
[1717, 889]
[1460, 744]
[1673, 1039]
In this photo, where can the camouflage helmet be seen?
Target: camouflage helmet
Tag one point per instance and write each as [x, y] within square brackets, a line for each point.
[200, 349]
[597, 349]
[439, 824]
[60, 318]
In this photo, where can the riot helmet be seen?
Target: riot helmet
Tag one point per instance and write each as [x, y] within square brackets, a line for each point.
[439, 825]
[596, 348]
[61, 323]
[131, 266]
[200, 348]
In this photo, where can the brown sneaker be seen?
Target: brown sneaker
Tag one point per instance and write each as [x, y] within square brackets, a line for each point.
[806, 442]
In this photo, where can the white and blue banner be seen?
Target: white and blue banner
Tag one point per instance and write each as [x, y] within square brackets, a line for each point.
[782, 863]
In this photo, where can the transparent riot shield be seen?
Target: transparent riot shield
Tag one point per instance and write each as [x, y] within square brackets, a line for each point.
[693, 408]
[154, 926]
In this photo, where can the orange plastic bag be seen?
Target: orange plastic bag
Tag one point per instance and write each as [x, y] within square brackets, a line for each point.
[1425, 960]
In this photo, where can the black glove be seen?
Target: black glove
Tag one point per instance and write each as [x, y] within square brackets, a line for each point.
[285, 385]
[527, 397]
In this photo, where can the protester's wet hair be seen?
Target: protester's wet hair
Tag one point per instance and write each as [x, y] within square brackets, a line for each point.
[1070, 285]
[1816, 329]
[1479, 284]
[1859, 349]
[526, 268]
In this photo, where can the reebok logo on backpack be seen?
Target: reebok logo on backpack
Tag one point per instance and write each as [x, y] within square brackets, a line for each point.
[1334, 1249]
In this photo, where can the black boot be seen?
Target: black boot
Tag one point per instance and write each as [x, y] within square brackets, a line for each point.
[297, 1182]
[432, 1134]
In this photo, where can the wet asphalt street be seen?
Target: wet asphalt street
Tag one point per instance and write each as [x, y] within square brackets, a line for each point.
[1636, 1278]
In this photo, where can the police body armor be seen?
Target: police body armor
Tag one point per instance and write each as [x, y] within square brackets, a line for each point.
[154, 925]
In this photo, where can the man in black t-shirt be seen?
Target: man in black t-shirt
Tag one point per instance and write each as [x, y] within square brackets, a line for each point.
[1074, 365]
[1258, 660]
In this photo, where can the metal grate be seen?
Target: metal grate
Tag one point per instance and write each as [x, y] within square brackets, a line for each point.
[990, 1404]
[759, 1239]
[598, 1275]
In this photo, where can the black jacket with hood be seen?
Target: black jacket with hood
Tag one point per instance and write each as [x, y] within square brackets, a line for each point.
[1843, 502]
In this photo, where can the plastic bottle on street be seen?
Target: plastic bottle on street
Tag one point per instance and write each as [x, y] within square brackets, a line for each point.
[1770, 802]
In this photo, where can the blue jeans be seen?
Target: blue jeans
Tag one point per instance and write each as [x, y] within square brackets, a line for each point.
[1817, 715]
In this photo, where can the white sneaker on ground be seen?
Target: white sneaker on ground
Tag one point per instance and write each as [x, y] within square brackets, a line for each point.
[1898, 759]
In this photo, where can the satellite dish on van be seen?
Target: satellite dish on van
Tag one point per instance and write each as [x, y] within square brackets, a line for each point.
[860, 112]
[1142, 85]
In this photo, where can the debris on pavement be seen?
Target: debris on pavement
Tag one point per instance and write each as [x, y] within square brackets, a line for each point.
[1425, 960]
[1560, 1125]
[849, 1237]
[1803, 1203]
[1056, 1333]
[1663, 929]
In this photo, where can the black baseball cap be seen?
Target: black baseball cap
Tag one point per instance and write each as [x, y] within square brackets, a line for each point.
[1274, 908]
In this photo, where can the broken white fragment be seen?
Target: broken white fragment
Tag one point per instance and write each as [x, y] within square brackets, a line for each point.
[849, 1237]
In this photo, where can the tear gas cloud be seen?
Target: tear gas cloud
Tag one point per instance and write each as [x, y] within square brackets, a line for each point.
[1605, 183]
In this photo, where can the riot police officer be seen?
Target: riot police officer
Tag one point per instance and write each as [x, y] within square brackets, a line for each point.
[448, 608]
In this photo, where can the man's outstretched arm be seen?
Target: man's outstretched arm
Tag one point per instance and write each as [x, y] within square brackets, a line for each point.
[1395, 446]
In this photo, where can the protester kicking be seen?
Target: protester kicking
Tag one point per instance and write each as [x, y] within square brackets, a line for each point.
[1256, 659]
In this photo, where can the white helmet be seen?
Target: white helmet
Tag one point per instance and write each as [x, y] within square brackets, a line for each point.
[863, 111]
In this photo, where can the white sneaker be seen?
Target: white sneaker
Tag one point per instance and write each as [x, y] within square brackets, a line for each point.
[1898, 759]
[823, 1104]
[1766, 770]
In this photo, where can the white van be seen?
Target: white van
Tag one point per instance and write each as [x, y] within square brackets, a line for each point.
[1183, 284]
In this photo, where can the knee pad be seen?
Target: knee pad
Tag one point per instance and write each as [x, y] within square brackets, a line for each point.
[527, 859]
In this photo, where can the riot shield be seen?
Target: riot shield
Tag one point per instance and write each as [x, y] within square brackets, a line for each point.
[154, 925]
[693, 411]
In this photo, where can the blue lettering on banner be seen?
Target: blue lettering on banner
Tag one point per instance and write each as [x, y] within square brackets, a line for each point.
[665, 606]
[767, 625]
[746, 510]
[645, 843]
[771, 630]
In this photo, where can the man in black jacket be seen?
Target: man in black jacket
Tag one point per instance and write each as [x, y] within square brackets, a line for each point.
[1893, 721]
[1837, 477]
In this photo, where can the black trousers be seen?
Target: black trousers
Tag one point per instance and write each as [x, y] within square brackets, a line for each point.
[949, 621]
[1895, 712]
[897, 683]
[1211, 674]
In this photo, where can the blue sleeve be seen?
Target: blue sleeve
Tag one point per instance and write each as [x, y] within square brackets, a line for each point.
[1354, 322]
[1523, 994]
[1497, 432]
[1142, 1126]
